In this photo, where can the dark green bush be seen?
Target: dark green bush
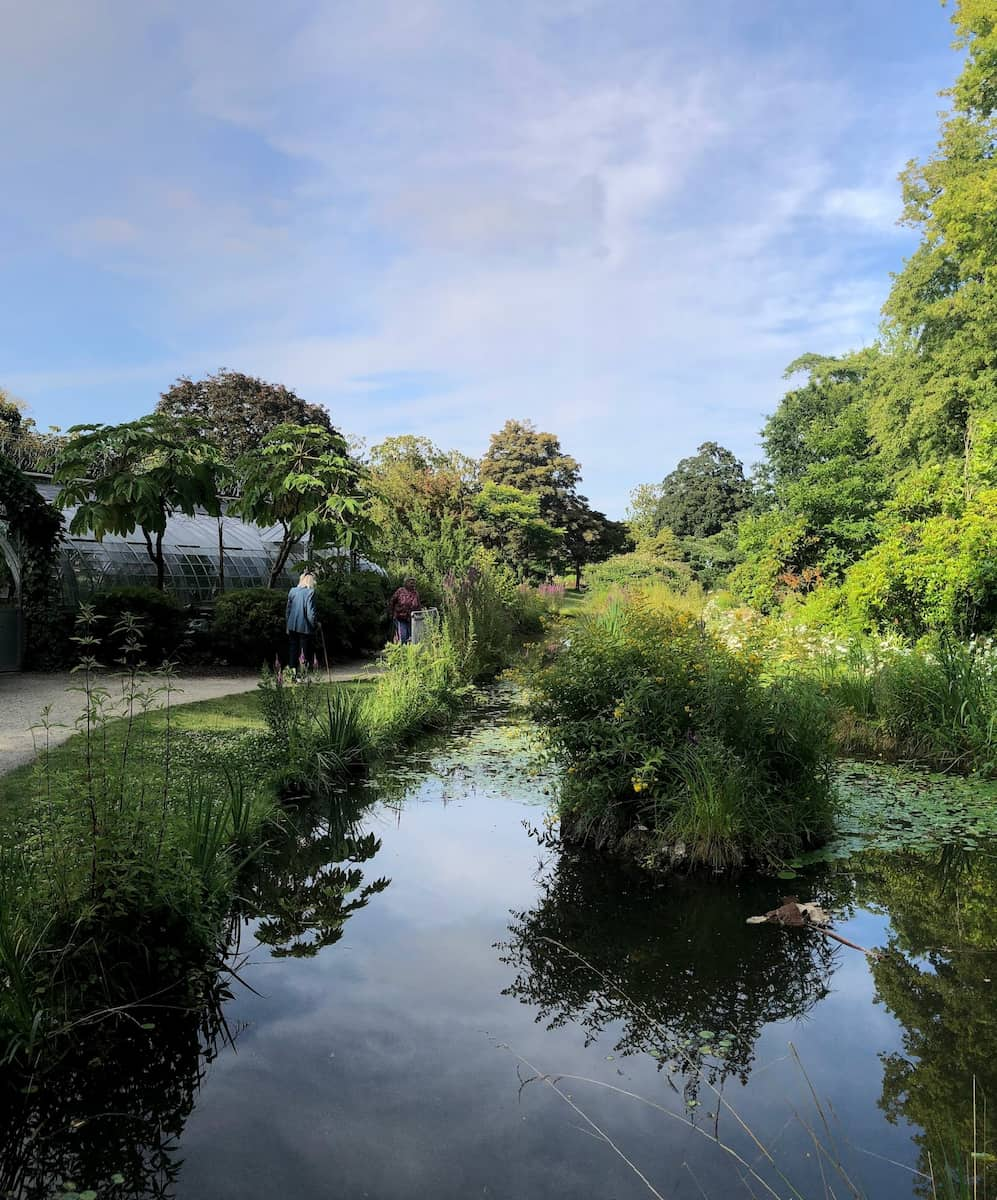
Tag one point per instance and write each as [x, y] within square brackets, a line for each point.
[162, 622]
[248, 627]
[673, 745]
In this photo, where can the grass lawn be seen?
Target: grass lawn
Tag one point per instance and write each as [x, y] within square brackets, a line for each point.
[208, 737]
[574, 603]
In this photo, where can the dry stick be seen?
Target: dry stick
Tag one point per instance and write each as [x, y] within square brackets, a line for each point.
[844, 941]
[601, 1133]
[612, 1087]
[683, 1054]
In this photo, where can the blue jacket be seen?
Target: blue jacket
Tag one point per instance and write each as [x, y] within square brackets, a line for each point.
[301, 617]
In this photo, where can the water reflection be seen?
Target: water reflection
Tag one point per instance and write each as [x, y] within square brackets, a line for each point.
[106, 1111]
[310, 884]
[671, 971]
[105, 1106]
[938, 978]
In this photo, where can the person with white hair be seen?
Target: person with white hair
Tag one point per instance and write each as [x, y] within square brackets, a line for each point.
[302, 619]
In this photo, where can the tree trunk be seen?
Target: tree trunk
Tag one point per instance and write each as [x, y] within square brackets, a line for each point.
[280, 562]
[160, 564]
[578, 576]
[221, 554]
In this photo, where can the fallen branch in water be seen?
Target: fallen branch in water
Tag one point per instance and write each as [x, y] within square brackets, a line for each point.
[806, 915]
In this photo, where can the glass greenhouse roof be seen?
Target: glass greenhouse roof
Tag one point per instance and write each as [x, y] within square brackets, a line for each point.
[191, 552]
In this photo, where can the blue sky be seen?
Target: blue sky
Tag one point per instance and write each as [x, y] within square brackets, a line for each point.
[618, 218]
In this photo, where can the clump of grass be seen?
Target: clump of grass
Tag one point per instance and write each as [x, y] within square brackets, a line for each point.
[934, 704]
[673, 746]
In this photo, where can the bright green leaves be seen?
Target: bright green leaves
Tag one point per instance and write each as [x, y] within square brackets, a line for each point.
[302, 478]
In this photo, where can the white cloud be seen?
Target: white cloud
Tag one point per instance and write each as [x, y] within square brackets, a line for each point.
[570, 211]
[877, 206]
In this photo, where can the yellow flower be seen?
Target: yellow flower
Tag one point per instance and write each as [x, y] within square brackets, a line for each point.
[638, 785]
[688, 708]
[618, 712]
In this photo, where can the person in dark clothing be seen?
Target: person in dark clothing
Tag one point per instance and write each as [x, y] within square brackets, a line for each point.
[301, 622]
[401, 606]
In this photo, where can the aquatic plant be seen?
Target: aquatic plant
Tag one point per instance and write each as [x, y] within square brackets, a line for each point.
[672, 747]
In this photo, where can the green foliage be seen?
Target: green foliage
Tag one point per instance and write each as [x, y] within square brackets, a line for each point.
[825, 485]
[651, 720]
[590, 536]
[642, 511]
[521, 457]
[135, 476]
[35, 529]
[302, 478]
[160, 618]
[420, 505]
[509, 521]
[639, 566]
[935, 705]
[248, 625]
[20, 440]
[234, 411]
[421, 689]
[705, 493]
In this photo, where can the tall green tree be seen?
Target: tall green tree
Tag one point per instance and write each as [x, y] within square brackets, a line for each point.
[591, 537]
[825, 480]
[510, 521]
[20, 439]
[136, 476]
[234, 410]
[642, 511]
[421, 504]
[522, 457]
[940, 327]
[302, 478]
[705, 493]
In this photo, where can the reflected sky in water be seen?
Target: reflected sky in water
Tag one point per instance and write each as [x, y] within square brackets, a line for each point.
[386, 1066]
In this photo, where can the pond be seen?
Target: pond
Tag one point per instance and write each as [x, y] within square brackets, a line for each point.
[438, 1005]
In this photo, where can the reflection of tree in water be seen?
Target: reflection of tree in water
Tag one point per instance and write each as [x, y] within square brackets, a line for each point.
[308, 886]
[938, 978]
[105, 1104]
[682, 955]
[106, 1108]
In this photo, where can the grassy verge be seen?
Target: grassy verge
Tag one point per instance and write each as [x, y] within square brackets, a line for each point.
[123, 850]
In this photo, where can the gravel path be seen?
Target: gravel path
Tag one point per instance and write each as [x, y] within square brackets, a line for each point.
[23, 696]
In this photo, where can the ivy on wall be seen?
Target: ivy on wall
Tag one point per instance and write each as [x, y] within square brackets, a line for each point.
[35, 528]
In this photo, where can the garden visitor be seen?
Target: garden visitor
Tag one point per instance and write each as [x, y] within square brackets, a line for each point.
[301, 622]
[401, 606]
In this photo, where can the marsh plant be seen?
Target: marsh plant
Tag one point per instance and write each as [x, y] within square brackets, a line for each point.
[125, 855]
[673, 746]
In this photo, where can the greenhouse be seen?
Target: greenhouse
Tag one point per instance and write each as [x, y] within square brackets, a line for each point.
[203, 554]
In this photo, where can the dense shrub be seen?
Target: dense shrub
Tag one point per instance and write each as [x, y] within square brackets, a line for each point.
[161, 621]
[249, 625]
[935, 704]
[638, 567]
[665, 734]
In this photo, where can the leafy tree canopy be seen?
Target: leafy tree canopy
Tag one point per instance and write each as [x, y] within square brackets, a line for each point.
[420, 504]
[941, 316]
[135, 476]
[521, 457]
[302, 478]
[704, 493]
[235, 410]
[509, 520]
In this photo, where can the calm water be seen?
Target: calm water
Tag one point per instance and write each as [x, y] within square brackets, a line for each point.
[410, 979]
